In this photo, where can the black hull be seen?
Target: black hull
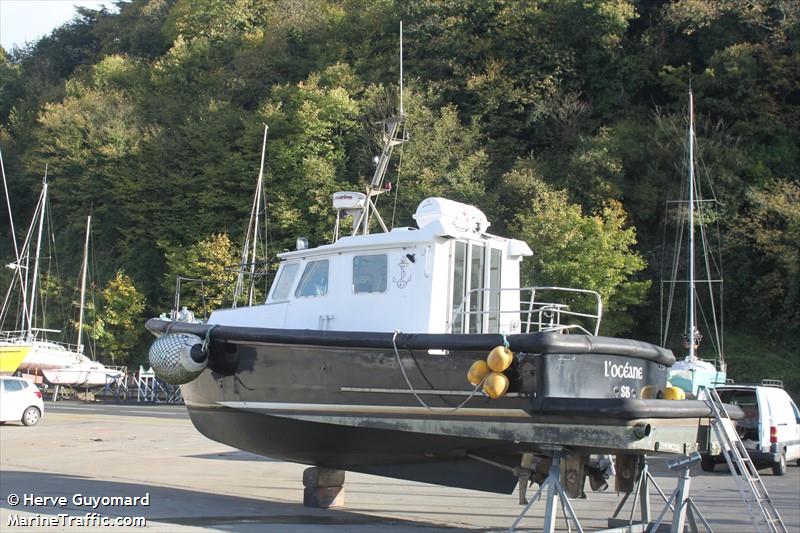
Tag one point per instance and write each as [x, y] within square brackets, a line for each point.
[340, 399]
[433, 459]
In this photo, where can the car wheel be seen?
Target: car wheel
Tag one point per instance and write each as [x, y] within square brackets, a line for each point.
[707, 463]
[779, 468]
[31, 416]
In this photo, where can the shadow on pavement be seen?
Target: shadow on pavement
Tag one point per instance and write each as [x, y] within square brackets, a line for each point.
[173, 505]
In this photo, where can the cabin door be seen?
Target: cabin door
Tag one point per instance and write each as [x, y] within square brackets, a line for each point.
[475, 288]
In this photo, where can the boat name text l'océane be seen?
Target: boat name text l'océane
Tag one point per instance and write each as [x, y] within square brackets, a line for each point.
[623, 371]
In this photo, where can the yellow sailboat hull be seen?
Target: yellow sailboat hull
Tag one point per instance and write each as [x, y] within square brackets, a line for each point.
[11, 356]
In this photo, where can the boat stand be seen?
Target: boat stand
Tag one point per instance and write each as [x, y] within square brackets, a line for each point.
[63, 392]
[684, 511]
[554, 492]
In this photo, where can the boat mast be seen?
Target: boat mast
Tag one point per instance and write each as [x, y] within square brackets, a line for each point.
[691, 321]
[391, 139]
[36, 260]
[252, 233]
[256, 209]
[84, 268]
[17, 258]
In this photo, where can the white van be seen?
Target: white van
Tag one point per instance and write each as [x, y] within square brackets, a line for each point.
[770, 429]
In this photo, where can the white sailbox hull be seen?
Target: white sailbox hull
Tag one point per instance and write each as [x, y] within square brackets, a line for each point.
[44, 355]
[62, 366]
[694, 375]
[81, 375]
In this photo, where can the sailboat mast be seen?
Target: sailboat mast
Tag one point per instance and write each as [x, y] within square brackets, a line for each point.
[31, 309]
[84, 268]
[255, 220]
[17, 258]
[691, 322]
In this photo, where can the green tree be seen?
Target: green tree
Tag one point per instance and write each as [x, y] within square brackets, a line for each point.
[589, 251]
[313, 124]
[764, 247]
[118, 327]
[210, 269]
[443, 157]
[10, 85]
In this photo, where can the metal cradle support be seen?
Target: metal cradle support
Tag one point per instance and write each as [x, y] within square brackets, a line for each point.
[641, 492]
[684, 511]
[555, 493]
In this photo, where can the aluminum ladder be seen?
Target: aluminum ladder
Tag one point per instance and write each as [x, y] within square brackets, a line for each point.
[762, 512]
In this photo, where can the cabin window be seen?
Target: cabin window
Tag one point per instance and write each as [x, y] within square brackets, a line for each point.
[284, 282]
[495, 259]
[314, 281]
[369, 273]
[459, 284]
[477, 273]
[476, 288]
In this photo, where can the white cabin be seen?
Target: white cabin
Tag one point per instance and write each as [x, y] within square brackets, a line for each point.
[408, 279]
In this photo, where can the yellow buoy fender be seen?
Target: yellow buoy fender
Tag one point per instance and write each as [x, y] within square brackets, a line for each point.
[648, 392]
[495, 385]
[478, 371]
[674, 393]
[500, 358]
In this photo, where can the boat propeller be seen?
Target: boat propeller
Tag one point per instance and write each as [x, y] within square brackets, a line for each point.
[178, 358]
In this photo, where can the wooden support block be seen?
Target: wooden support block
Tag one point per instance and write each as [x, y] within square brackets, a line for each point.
[573, 475]
[627, 470]
[320, 477]
[323, 487]
[323, 497]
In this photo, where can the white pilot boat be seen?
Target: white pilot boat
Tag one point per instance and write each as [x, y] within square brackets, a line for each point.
[359, 359]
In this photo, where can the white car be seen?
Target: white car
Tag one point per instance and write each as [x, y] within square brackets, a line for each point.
[770, 429]
[20, 401]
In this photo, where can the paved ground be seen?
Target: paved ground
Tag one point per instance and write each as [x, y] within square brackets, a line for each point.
[195, 485]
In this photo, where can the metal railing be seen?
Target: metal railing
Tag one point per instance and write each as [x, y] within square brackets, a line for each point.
[532, 315]
[37, 340]
[22, 334]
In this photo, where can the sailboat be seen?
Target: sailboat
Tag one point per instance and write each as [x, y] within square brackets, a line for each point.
[692, 373]
[11, 355]
[81, 371]
[12, 352]
[26, 350]
[20, 346]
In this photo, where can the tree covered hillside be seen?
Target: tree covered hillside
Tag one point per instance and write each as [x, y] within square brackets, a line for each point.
[565, 121]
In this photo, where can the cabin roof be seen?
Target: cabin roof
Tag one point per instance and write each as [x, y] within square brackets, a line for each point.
[438, 218]
[400, 238]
